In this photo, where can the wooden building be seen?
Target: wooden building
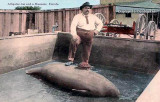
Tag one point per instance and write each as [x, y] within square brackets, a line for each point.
[104, 2]
[128, 11]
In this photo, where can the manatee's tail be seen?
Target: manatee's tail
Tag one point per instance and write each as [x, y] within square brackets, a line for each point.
[34, 70]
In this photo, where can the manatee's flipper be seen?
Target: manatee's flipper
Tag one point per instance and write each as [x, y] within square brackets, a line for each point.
[34, 70]
[83, 92]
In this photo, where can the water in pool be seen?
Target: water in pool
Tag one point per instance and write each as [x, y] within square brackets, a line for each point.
[16, 86]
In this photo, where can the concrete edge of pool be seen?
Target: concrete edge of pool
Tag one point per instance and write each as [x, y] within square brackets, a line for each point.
[127, 54]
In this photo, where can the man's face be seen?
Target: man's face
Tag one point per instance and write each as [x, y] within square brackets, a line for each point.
[86, 10]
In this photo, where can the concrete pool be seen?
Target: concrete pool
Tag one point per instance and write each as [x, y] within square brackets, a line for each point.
[131, 60]
[16, 86]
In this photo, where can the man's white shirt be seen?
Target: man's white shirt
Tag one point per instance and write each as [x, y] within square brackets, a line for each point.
[79, 21]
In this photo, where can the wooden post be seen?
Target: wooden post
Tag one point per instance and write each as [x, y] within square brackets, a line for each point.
[107, 15]
[30, 20]
[3, 24]
[114, 12]
[64, 20]
[152, 16]
[157, 19]
[67, 21]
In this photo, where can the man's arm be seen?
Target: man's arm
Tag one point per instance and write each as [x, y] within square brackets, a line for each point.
[73, 27]
[99, 25]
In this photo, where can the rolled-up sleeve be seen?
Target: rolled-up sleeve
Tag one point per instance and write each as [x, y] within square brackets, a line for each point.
[74, 25]
[98, 23]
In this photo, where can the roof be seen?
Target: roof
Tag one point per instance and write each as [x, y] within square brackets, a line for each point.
[156, 1]
[137, 7]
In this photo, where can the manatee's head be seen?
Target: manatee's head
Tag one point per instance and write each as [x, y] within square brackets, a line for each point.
[101, 86]
[97, 85]
[108, 90]
[99, 91]
[112, 91]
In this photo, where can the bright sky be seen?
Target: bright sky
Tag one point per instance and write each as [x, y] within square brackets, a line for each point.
[45, 4]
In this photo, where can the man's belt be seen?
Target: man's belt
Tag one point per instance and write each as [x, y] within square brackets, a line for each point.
[79, 30]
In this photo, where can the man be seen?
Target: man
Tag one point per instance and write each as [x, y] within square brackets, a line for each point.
[83, 27]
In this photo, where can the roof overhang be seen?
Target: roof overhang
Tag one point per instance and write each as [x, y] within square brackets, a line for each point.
[137, 7]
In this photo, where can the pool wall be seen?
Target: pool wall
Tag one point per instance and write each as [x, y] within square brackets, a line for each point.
[25, 50]
[123, 53]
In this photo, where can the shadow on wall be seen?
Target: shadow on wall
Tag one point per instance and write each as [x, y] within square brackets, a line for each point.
[123, 53]
[62, 46]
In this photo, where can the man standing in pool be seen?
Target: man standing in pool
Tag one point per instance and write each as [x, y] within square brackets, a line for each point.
[83, 27]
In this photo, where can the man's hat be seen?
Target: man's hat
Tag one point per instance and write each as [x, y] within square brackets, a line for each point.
[85, 4]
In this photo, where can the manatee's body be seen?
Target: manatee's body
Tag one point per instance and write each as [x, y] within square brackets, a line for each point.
[84, 81]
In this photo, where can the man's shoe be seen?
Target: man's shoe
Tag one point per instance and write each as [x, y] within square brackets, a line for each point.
[84, 65]
[69, 63]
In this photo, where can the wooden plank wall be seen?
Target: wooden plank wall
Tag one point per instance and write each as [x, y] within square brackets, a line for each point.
[12, 21]
[20, 21]
[63, 17]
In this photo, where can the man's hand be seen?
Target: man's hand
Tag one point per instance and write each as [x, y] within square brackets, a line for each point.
[96, 32]
[75, 37]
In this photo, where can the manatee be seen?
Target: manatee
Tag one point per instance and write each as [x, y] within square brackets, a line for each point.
[85, 82]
